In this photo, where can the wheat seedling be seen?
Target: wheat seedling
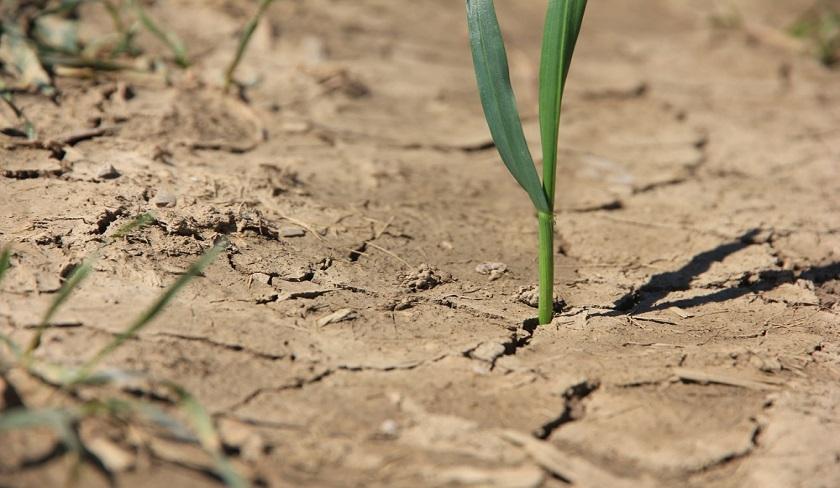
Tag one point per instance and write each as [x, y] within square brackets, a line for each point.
[562, 26]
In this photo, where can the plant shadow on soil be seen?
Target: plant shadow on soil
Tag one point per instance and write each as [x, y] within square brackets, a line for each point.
[645, 298]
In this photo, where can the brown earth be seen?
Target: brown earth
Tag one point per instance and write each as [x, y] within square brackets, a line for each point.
[346, 338]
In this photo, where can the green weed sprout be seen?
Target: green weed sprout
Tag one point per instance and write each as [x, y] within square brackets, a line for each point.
[244, 40]
[562, 26]
[64, 420]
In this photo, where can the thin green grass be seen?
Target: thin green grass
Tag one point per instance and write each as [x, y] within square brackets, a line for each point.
[244, 41]
[149, 315]
[65, 420]
[5, 261]
[169, 38]
[562, 27]
[820, 26]
[208, 437]
[77, 276]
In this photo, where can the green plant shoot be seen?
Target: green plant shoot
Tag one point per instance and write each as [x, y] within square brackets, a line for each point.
[244, 40]
[562, 27]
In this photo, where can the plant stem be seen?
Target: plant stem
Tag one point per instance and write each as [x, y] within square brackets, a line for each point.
[546, 302]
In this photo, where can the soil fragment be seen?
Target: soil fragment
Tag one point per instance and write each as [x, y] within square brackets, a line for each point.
[494, 270]
[425, 277]
[343, 315]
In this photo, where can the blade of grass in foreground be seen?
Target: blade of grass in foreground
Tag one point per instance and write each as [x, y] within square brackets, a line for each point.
[209, 439]
[79, 274]
[73, 281]
[12, 345]
[498, 100]
[157, 307]
[244, 40]
[203, 430]
[59, 419]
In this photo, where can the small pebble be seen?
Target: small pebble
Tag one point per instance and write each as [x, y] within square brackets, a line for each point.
[107, 172]
[164, 199]
[296, 126]
[292, 232]
[389, 428]
[488, 351]
[313, 50]
[342, 315]
[261, 278]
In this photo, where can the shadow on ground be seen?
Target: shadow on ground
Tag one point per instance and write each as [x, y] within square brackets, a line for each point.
[646, 298]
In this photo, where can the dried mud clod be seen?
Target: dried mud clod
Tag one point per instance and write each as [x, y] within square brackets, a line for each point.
[493, 270]
[425, 277]
[530, 295]
[400, 303]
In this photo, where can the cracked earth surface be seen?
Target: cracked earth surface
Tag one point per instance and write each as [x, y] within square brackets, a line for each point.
[347, 333]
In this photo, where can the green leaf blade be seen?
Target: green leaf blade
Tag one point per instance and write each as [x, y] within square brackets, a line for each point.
[76, 277]
[196, 269]
[60, 420]
[498, 100]
[562, 27]
[5, 261]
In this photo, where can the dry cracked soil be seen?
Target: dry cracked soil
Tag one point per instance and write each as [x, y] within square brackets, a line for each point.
[347, 337]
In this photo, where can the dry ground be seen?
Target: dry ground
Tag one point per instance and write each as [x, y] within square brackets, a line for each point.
[698, 257]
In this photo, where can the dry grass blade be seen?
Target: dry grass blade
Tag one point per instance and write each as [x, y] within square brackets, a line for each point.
[149, 315]
[244, 40]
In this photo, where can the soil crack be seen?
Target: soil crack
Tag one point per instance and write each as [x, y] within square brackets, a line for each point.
[229, 347]
[736, 455]
[573, 410]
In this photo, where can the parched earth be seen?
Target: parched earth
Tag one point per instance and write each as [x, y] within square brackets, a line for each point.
[346, 337]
